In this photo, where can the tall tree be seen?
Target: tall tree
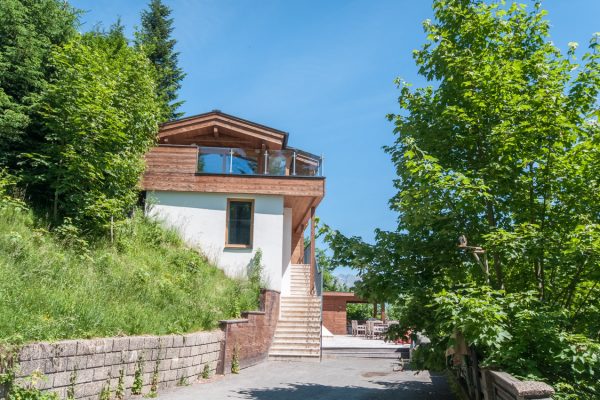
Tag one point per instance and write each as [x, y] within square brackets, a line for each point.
[99, 117]
[28, 31]
[155, 39]
[503, 148]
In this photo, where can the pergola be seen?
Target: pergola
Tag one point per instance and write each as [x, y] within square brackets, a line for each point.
[334, 310]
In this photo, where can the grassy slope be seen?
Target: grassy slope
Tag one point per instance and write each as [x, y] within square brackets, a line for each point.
[55, 286]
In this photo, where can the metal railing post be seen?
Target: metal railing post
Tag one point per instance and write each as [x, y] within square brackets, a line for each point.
[266, 162]
[294, 163]
[230, 160]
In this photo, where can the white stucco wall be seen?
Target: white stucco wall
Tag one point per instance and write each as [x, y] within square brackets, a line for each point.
[287, 252]
[201, 219]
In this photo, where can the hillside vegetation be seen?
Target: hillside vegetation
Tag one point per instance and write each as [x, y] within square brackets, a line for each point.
[56, 285]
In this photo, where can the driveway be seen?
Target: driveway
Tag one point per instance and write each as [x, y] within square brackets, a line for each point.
[341, 378]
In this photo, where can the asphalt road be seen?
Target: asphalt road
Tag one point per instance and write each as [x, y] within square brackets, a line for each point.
[342, 378]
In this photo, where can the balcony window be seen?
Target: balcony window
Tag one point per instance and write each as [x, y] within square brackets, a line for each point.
[239, 225]
[237, 161]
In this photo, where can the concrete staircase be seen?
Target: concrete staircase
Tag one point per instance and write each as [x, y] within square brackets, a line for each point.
[298, 333]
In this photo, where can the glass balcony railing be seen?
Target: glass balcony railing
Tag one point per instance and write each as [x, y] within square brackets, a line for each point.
[236, 161]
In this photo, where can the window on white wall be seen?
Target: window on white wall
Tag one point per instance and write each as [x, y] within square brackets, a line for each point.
[240, 220]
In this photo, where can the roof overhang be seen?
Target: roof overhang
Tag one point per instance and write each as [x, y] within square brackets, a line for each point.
[217, 128]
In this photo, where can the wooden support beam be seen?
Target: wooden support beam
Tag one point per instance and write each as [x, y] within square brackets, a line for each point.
[302, 226]
[312, 250]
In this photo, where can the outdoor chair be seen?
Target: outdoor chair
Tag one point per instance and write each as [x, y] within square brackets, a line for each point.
[357, 329]
[369, 333]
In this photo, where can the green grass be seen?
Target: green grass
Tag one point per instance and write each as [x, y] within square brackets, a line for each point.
[56, 285]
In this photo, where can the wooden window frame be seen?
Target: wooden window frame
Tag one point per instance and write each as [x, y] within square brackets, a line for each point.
[239, 246]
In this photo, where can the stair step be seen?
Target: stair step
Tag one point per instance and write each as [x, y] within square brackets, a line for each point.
[297, 348]
[297, 335]
[291, 328]
[294, 343]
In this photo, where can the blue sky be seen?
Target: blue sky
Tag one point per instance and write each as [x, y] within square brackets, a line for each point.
[322, 71]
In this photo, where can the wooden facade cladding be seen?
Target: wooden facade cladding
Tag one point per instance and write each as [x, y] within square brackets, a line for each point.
[173, 168]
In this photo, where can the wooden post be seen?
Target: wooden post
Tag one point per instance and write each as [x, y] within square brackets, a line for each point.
[383, 312]
[312, 250]
[375, 310]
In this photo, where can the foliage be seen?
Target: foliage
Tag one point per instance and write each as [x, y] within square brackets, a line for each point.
[105, 392]
[502, 148]
[235, 360]
[359, 311]
[206, 371]
[120, 389]
[99, 117]
[22, 389]
[146, 282]
[28, 31]
[154, 39]
[138, 382]
[519, 333]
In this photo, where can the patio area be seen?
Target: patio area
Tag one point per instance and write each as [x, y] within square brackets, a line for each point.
[358, 342]
[348, 346]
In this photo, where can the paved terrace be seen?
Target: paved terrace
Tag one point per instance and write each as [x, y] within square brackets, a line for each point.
[342, 378]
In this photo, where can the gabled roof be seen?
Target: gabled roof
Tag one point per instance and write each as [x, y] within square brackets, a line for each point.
[216, 128]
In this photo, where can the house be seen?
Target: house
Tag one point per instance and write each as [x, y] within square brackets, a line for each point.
[232, 186]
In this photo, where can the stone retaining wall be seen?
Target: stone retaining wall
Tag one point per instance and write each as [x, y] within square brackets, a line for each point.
[88, 366]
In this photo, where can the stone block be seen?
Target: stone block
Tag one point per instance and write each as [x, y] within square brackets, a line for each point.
[172, 352]
[55, 364]
[79, 391]
[177, 341]
[159, 354]
[191, 339]
[194, 351]
[185, 352]
[61, 392]
[26, 368]
[164, 365]
[151, 342]
[196, 360]
[149, 366]
[76, 363]
[114, 358]
[45, 382]
[102, 373]
[84, 348]
[131, 368]
[136, 343]
[187, 362]
[128, 381]
[115, 370]
[84, 376]
[62, 379]
[169, 375]
[66, 348]
[93, 388]
[166, 341]
[95, 360]
[101, 345]
[120, 344]
[36, 351]
[131, 356]
[147, 378]
[175, 363]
